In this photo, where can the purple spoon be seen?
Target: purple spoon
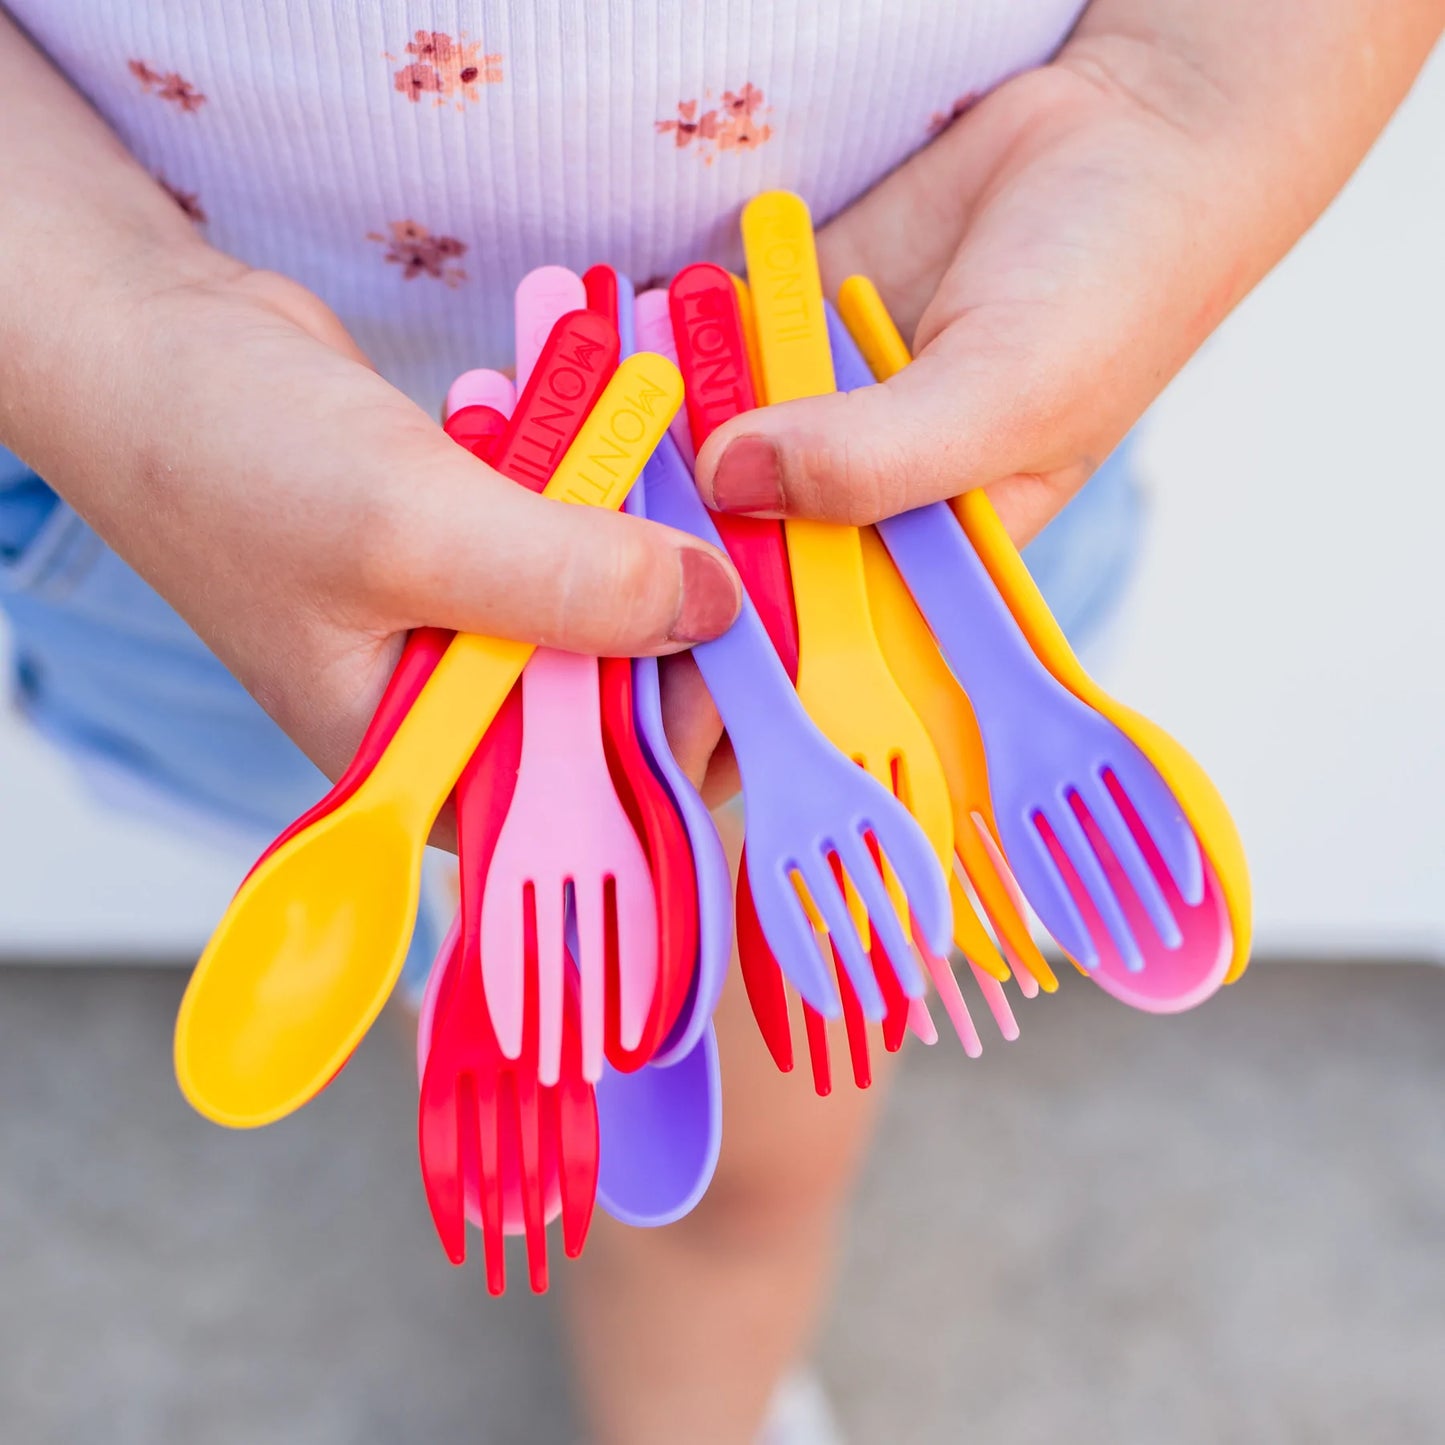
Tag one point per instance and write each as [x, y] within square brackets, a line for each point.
[1050, 756]
[806, 803]
[714, 881]
[660, 1131]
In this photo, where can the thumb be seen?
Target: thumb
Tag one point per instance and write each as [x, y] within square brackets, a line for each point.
[970, 411]
[477, 552]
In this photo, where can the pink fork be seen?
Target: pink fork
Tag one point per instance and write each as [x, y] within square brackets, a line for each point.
[567, 845]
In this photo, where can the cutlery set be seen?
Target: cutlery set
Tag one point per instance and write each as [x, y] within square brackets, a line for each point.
[926, 769]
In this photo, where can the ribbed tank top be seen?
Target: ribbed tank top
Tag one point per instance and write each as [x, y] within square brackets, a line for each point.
[411, 161]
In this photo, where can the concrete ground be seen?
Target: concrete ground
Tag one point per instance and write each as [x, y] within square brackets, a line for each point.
[1228, 1227]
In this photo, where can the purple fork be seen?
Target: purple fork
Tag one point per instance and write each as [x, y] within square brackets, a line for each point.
[1053, 760]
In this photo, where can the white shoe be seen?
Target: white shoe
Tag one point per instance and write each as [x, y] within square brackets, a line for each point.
[800, 1414]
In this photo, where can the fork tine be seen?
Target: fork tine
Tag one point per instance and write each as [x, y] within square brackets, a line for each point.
[833, 908]
[951, 997]
[899, 1005]
[483, 1127]
[762, 977]
[1157, 810]
[855, 1025]
[637, 935]
[998, 1004]
[908, 853]
[921, 1021]
[1069, 836]
[1110, 822]
[816, 1028]
[865, 873]
[1009, 923]
[789, 933]
[525, 1119]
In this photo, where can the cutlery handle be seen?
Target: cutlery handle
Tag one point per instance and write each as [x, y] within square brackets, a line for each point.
[985, 647]
[709, 318]
[830, 589]
[471, 681]
[741, 669]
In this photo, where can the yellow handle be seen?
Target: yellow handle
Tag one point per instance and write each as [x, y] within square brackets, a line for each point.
[886, 352]
[474, 676]
[796, 361]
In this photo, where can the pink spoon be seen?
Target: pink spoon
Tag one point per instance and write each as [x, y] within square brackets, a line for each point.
[567, 843]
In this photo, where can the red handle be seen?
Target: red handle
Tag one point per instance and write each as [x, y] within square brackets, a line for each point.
[712, 355]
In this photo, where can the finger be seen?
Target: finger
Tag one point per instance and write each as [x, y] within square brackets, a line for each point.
[476, 552]
[942, 426]
[1077, 287]
[689, 716]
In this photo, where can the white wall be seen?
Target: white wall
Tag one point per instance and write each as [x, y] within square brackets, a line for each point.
[1289, 624]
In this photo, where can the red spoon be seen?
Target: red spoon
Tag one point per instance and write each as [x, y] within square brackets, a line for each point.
[654, 818]
[712, 353]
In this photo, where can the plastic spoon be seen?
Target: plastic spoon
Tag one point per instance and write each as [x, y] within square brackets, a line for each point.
[313, 941]
[661, 1131]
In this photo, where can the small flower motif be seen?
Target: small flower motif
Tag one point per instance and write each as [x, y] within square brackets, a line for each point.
[732, 125]
[940, 120]
[167, 85]
[412, 247]
[186, 200]
[445, 68]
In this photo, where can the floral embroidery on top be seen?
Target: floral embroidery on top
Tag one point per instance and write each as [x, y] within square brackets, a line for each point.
[940, 120]
[734, 124]
[186, 200]
[167, 85]
[412, 247]
[446, 68]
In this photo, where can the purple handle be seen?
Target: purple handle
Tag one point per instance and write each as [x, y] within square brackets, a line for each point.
[741, 668]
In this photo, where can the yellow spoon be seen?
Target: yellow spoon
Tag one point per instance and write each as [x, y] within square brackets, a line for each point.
[866, 317]
[313, 941]
[844, 681]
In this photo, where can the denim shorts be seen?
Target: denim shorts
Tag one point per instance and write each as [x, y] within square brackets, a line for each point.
[110, 673]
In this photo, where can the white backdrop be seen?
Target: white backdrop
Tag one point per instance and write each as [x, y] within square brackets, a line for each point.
[1288, 625]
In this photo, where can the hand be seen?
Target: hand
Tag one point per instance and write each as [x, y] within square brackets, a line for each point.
[1066, 245]
[302, 514]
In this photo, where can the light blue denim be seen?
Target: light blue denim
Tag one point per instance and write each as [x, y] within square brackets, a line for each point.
[108, 671]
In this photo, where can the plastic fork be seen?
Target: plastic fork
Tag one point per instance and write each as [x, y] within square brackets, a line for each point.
[843, 679]
[949, 718]
[1053, 762]
[567, 844]
[515, 1153]
[707, 319]
[1219, 840]
[311, 945]
[462, 1061]
[807, 803]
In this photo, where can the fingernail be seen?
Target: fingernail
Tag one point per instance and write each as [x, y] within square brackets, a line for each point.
[748, 477]
[709, 598]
